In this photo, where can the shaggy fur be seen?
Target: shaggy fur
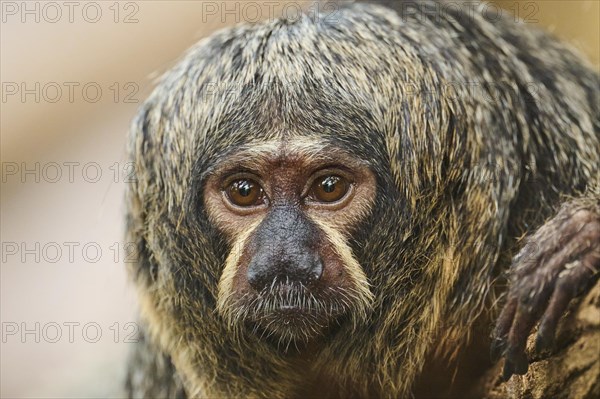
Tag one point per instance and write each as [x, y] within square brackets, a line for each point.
[475, 129]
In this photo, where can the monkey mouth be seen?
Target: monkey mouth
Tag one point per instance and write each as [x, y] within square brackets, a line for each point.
[290, 308]
[289, 314]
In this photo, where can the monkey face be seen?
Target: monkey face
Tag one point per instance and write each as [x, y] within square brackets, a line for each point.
[287, 209]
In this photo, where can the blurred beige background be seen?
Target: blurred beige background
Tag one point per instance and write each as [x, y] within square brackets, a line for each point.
[65, 302]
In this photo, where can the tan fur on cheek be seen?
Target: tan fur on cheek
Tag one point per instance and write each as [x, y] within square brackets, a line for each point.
[355, 272]
[231, 266]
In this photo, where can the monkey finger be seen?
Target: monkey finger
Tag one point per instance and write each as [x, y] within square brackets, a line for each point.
[547, 330]
[576, 275]
[538, 246]
[517, 339]
[571, 238]
[502, 328]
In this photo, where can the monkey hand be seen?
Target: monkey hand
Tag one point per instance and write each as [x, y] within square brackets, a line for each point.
[558, 261]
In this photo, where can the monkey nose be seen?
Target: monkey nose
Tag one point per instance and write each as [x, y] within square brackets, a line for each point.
[305, 269]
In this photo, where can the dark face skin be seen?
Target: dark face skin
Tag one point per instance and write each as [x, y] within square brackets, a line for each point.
[287, 209]
[285, 246]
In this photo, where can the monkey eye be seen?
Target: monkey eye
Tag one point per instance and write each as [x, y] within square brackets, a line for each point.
[329, 188]
[245, 192]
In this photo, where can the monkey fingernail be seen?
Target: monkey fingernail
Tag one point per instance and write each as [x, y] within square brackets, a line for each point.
[497, 348]
[515, 365]
[543, 340]
[507, 372]
[521, 364]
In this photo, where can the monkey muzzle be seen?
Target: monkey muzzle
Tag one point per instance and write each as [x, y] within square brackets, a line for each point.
[290, 283]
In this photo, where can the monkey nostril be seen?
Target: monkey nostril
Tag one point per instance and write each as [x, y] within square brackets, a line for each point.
[316, 270]
[306, 269]
[255, 278]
